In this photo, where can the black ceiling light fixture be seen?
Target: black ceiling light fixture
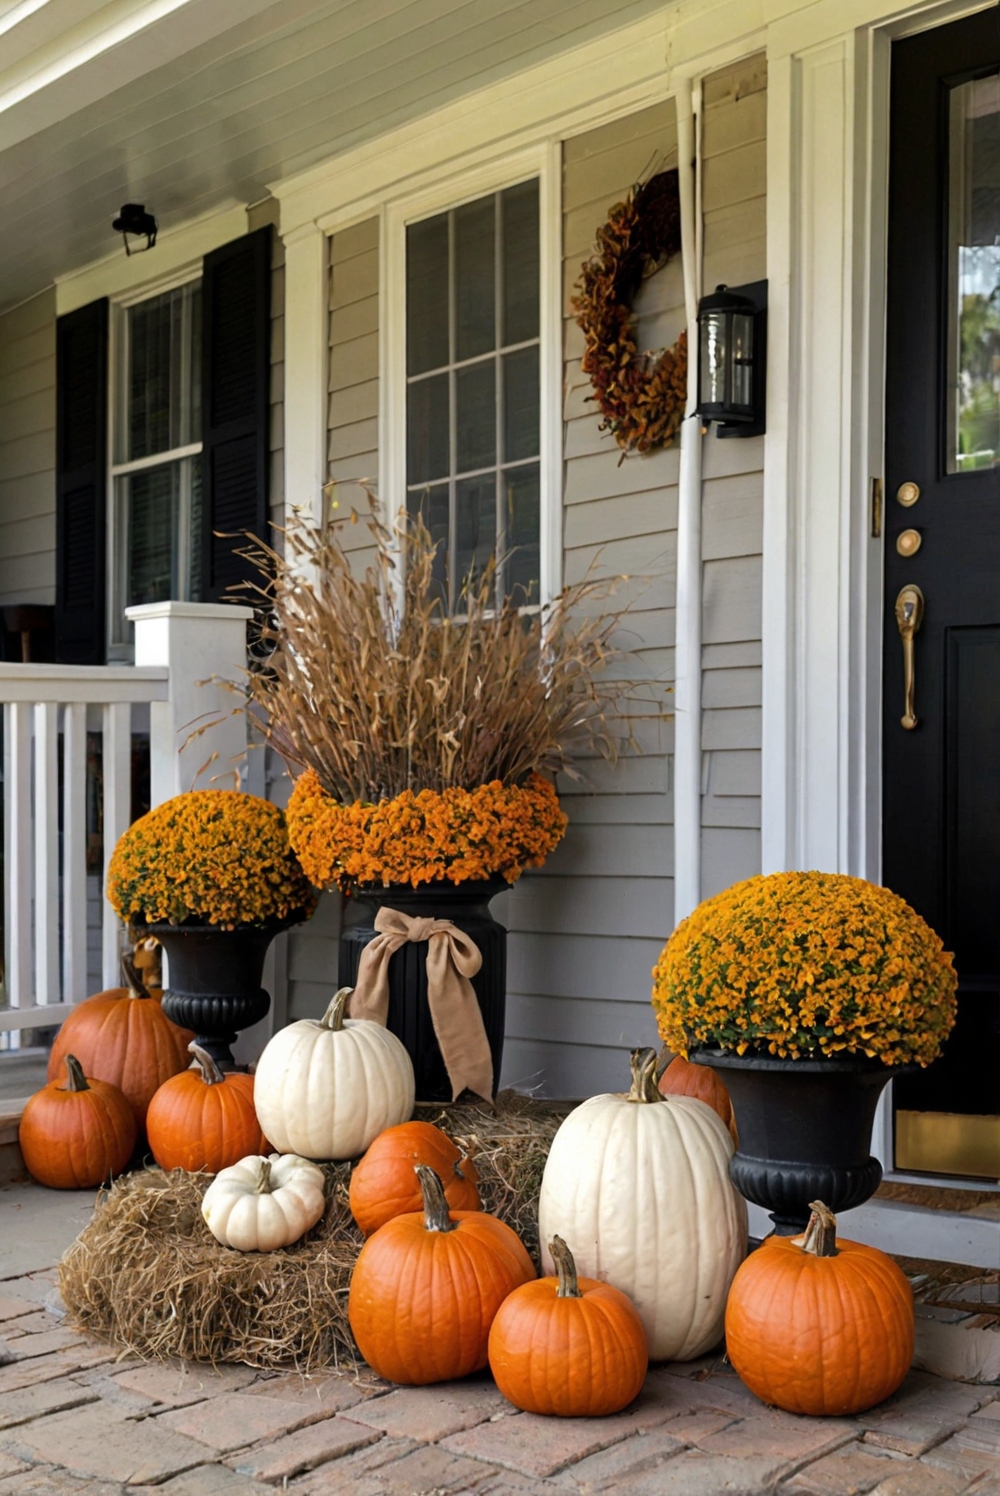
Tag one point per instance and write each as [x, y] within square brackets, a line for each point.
[732, 358]
[133, 219]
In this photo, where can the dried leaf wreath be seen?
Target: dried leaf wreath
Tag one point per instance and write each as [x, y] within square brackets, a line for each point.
[642, 396]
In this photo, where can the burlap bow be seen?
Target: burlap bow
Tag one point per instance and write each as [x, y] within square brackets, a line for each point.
[452, 958]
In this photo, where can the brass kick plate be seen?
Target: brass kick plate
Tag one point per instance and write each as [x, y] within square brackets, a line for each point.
[948, 1143]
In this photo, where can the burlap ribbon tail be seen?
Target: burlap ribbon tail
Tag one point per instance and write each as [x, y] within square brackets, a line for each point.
[452, 958]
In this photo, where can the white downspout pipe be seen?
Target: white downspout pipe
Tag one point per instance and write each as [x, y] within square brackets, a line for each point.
[687, 669]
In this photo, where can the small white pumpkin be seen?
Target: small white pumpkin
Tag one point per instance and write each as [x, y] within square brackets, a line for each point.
[638, 1186]
[261, 1204]
[327, 1088]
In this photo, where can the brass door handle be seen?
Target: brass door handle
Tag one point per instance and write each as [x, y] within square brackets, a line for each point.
[909, 616]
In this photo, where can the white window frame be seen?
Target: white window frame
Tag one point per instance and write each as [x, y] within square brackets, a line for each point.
[121, 649]
[544, 164]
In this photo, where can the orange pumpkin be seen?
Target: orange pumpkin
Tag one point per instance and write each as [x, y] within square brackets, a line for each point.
[681, 1078]
[76, 1135]
[426, 1288]
[384, 1185]
[818, 1325]
[569, 1346]
[203, 1120]
[123, 1036]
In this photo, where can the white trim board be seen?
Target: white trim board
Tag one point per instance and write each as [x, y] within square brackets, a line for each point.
[913, 1231]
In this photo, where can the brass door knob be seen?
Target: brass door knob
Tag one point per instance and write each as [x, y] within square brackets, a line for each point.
[909, 616]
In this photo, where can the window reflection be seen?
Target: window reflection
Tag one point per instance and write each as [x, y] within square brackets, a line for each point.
[974, 276]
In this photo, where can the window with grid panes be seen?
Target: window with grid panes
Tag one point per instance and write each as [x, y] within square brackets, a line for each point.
[156, 472]
[472, 365]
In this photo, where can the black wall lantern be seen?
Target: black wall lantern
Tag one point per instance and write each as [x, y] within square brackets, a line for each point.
[133, 219]
[732, 358]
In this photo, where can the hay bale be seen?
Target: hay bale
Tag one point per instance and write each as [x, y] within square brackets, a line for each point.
[147, 1274]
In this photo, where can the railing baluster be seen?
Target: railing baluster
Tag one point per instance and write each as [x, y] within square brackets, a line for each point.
[117, 761]
[17, 861]
[46, 808]
[74, 867]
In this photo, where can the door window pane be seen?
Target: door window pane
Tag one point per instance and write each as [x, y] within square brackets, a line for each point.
[473, 386]
[974, 276]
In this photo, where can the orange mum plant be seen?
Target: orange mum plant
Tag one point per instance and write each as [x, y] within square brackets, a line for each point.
[431, 836]
[426, 741]
[805, 965]
[213, 857]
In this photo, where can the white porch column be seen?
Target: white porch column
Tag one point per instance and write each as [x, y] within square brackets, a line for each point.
[203, 645]
[306, 322]
[820, 651]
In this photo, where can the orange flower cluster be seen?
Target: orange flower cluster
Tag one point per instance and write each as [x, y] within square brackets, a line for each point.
[800, 964]
[424, 836]
[211, 856]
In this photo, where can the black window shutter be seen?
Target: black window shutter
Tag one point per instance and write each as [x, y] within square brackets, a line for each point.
[81, 483]
[236, 353]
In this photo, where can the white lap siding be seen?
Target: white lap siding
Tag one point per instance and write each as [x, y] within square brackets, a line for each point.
[586, 929]
[28, 452]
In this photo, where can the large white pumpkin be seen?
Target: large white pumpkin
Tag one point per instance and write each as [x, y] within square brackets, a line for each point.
[327, 1088]
[261, 1204]
[638, 1186]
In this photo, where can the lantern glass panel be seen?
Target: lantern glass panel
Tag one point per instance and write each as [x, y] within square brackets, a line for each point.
[712, 362]
[743, 359]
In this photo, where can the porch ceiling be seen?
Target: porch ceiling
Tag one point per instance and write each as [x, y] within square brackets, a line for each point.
[224, 96]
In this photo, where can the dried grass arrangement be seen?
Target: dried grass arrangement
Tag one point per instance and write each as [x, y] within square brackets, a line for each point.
[373, 685]
[147, 1274]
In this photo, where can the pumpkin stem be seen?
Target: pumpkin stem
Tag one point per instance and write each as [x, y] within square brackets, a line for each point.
[75, 1078]
[569, 1288]
[436, 1216]
[333, 1018]
[263, 1185]
[644, 1087]
[203, 1062]
[821, 1233]
[133, 977]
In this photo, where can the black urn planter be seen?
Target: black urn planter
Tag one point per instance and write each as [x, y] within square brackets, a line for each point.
[466, 905]
[805, 1130]
[215, 981]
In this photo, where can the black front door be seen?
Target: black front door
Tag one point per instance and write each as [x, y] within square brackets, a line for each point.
[941, 659]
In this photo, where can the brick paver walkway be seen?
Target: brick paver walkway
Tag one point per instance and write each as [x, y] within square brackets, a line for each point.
[73, 1419]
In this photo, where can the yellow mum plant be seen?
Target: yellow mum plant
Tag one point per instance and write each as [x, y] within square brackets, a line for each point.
[213, 857]
[424, 836]
[801, 965]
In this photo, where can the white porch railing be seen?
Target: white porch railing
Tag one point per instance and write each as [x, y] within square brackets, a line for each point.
[184, 650]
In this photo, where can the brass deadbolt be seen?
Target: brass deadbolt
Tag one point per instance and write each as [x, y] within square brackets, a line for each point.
[907, 494]
[908, 542]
